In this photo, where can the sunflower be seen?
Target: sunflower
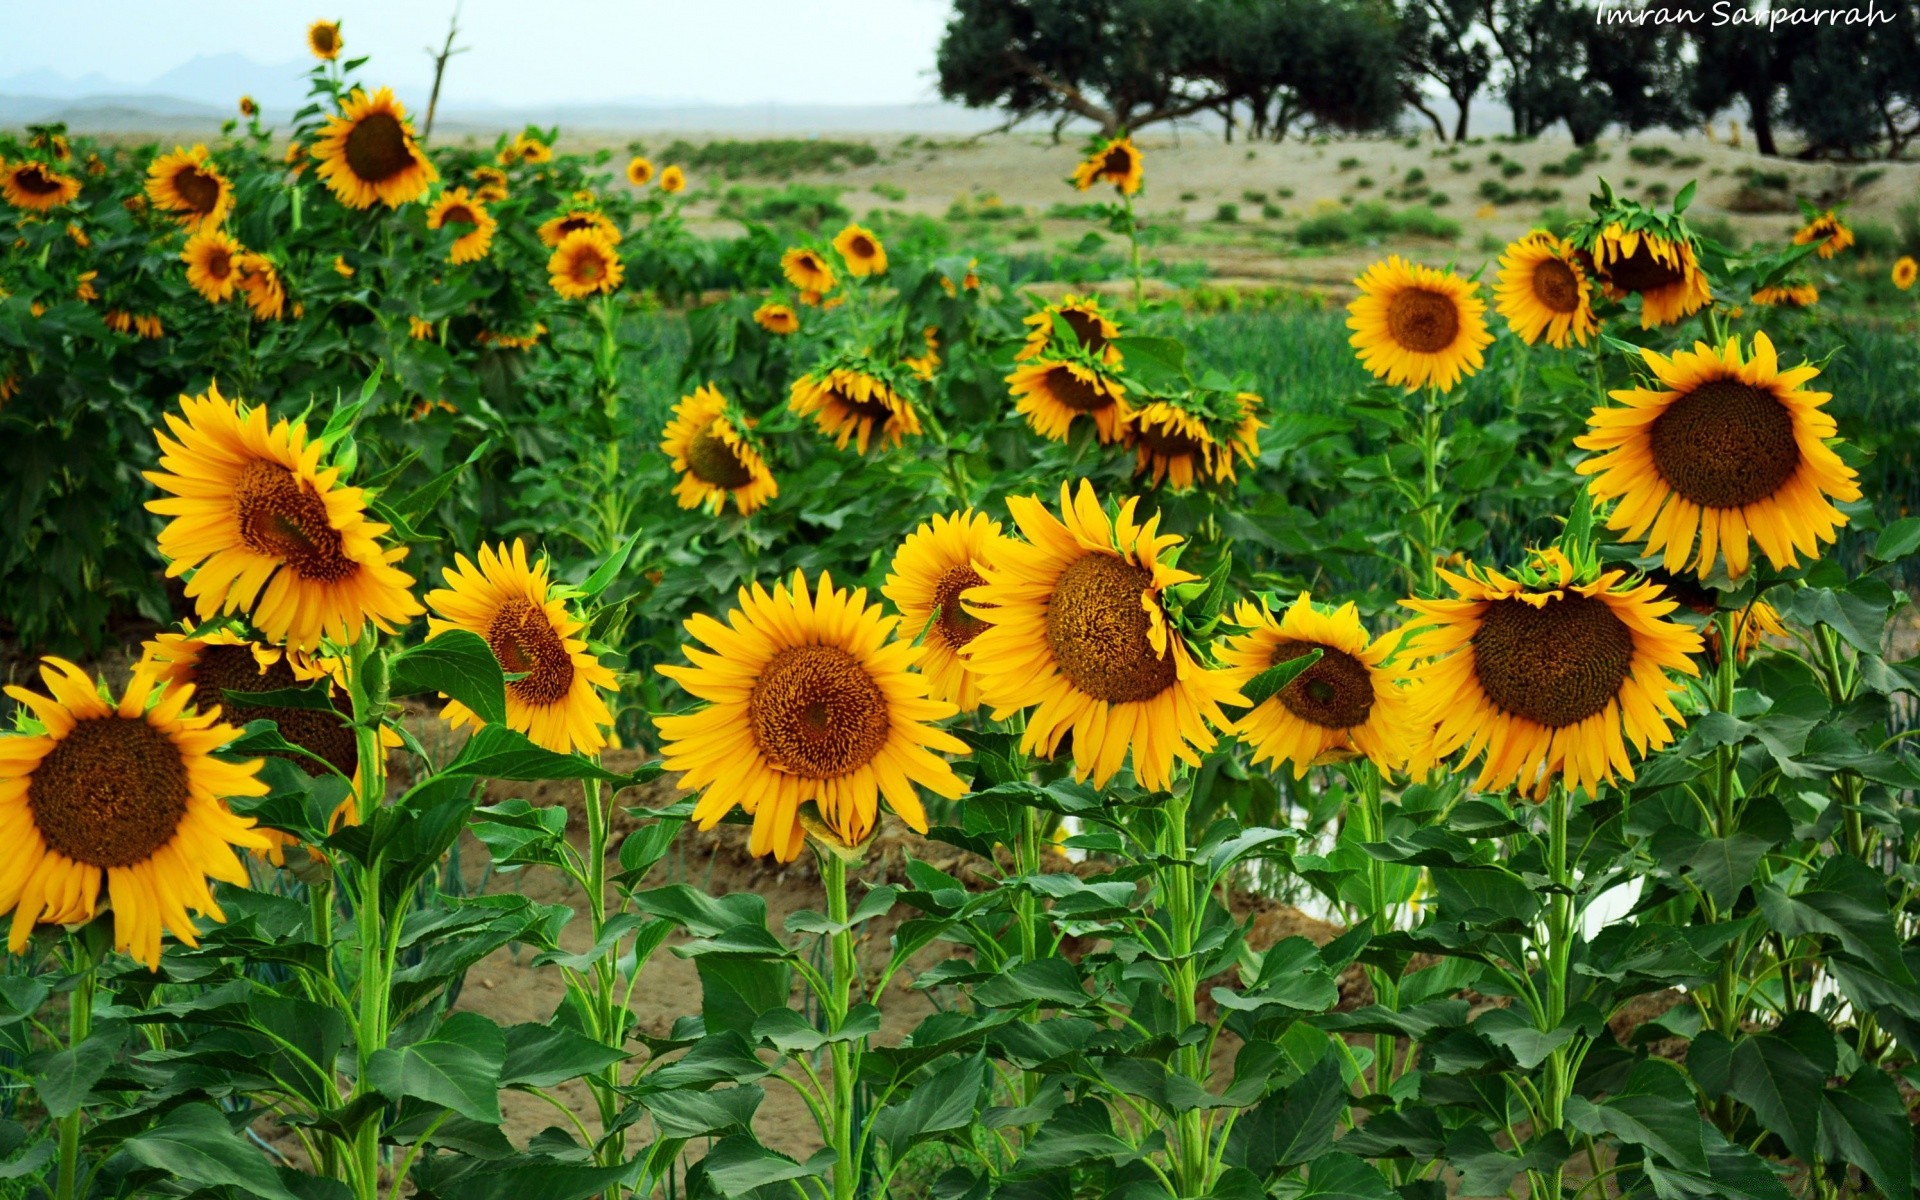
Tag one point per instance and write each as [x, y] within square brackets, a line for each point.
[260, 283]
[673, 181]
[1752, 624]
[128, 792]
[1350, 702]
[807, 270]
[1546, 675]
[925, 365]
[554, 230]
[809, 701]
[36, 187]
[342, 267]
[512, 341]
[1115, 161]
[489, 184]
[296, 158]
[213, 266]
[526, 149]
[586, 263]
[421, 330]
[188, 185]
[640, 170]
[79, 235]
[1828, 230]
[1416, 326]
[932, 569]
[776, 318]
[1077, 627]
[1195, 439]
[1543, 291]
[1788, 294]
[323, 38]
[1662, 270]
[84, 290]
[1905, 271]
[861, 251]
[713, 456]
[849, 402]
[1051, 393]
[1727, 447]
[515, 607]
[264, 527]
[248, 108]
[148, 326]
[1082, 314]
[367, 153]
[473, 222]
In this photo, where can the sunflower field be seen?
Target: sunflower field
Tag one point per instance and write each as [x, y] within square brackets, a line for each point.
[496, 546]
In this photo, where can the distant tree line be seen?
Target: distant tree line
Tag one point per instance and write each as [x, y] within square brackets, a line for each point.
[1270, 68]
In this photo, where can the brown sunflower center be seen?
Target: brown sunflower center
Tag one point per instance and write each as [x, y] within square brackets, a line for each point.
[219, 263]
[589, 267]
[1556, 286]
[1168, 442]
[956, 625]
[200, 190]
[871, 409]
[524, 640]
[1555, 665]
[325, 39]
[713, 461]
[1117, 162]
[35, 180]
[1422, 321]
[459, 214]
[1097, 626]
[863, 247]
[1686, 589]
[1076, 393]
[284, 518]
[1334, 693]
[1086, 327]
[377, 147]
[234, 669]
[1725, 444]
[1641, 271]
[816, 712]
[110, 793]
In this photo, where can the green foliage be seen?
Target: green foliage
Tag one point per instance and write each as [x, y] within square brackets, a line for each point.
[1373, 221]
[776, 158]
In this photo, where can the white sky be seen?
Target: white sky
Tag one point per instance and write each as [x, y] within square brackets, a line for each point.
[522, 51]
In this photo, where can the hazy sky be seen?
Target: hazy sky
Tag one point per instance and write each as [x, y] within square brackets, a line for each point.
[522, 51]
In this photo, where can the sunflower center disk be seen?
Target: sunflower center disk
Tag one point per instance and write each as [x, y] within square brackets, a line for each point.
[1725, 444]
[1086, 328]
[284, 518]
[1556, 286]
[35, 180]
[377, 148]
[1116, 164]
[870, 409]
[954, 623]
[111, 793]
[713, 461]
[1423, 321]
[862, 248]
[1555, 665]
[234, 669]
[1169, 443]
[1098, 631]
[219, 264]
[1076, 393]
[524, 641]
[1641, 271]
[817, 713]
[199, 189]
[1334, 693]
[459, 214]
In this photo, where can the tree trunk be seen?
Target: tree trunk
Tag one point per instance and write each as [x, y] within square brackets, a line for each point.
[1413, 102]
[1460, 123]
[1760, 110]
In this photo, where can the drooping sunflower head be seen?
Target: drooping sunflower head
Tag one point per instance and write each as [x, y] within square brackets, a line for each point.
[128, 796]
[1634, 251]
[515, 606]
[673, 180]
[323, 38]
[1052, 392]
[807, 270]
[1826, 229]
[713, 449]
[489, 184]
[1752, 624]
[854, 399]
[585, 263]
[268, 530]
[931, 573]
[810, 700]
[469, 219]
[555, 230]
[1788, 293]
[1905, 271]
[1543, 291]
[1115, 161]
[1725, 446]
[1547, 674]
[366, 153]
[1415, 326]
[861, 251]
[526, 149]
[259, 282]
[776, 318]
[188, 185]
[35, 186]
[213, 264]
[1349, 702]
[1194, 437]
[219, 662]
[1091, 326]
[639, 170]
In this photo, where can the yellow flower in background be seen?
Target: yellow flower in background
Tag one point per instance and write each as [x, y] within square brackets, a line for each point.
[1543, 292]
[585, 263]
[1052, 394]
[931, 572]
[1905, 271]
[807, 270]
[714, 461]
[1664, 273]
[852, 405]
[342, 267]
[861, 251]
[1082, 314]
[420, 330]
[469, 218]
[489, 184]
[84, 290]
[367, 154]
[1179, 446]
[1828, 230]
[1117, 162]
[78, 235]
[323, 38]
[639, 170]
[259, 283]
[1415, 326]
[555, 230]
[526, 149]
[776, 318]
[213, 267]
[36, 187]
[248, 108]
[189, 186]
[1788, 295]
[673, 181]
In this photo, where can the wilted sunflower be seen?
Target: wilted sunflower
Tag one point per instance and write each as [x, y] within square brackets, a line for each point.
[471, 220]
[1052, 392]
[1082, 314]
[1116, 161]
[585, 263]
[555, 230]
[1416, 326]
[776, 318]
[861, 251]
[127, 794]
[673, 181]
[931, 570]
[35, 186]
[1905, 271]
[1543, 291]
[259, 282]
[1547, 675]
[514, 606]
[1788, 294]
[1350, 702]
[1663, 271]
[1077, 628]
[806, 270]
[213, 264]
[323, 38]
[265, 528]
[1726, 447]
[1751, 625]
[84, 290]
[526, 149]
[714, 457]
[849, 403]
[809, 701]
[639, 170]
[188, 185]
[367, 153]
[1185, 441]
[1828, 230]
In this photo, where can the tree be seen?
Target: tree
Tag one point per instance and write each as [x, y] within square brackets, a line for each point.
[1740, 62]
[1439, 40]
[1561, 64]
[1851, 89]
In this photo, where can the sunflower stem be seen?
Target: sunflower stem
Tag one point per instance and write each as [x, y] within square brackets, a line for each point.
[1133, 252]
[1558, 1083]
[1191, 1163]
[1373, 827]
[1430, 531]
[841, 966]
[79, 1028]
[606, 1006]
[367, 686]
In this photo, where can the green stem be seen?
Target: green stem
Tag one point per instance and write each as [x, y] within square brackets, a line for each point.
[837, 1001]
[1558, 1083]
[1430, 523]
[1726, 760]
[1183, 912]
[1027, 913]
[79, 1028]
[1373, 827]
[605, 1000]
[367, 685]
[1133, 253]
